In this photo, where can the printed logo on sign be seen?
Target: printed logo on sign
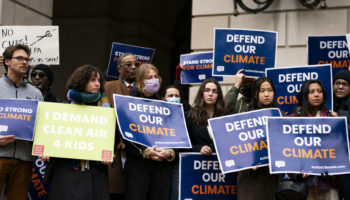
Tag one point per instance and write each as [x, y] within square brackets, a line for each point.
[280, 163]
[229, 163]
[201, 76]
[106, 155]
[38, 149]
[129, 134]
[221, 68]
[3, 128]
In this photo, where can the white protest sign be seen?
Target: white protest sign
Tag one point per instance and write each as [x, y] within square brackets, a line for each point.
[42, 40]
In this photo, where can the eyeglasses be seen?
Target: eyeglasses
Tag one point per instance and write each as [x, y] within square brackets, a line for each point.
[338, 83]
[136, 64]
[40, 74]
[21, 58]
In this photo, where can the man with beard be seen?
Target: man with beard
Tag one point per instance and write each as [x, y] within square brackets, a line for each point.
[127, 66]
[42, 78]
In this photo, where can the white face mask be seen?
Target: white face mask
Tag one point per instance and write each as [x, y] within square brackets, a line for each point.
[173, 99]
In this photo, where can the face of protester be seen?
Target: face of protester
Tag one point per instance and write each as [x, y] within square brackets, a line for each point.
[40, 80]
[315, 95]
[172, 92]
[210, 94]
[18, 64]
[93, 86]
[266, 94]
[341, 88]
[129, 68]
[151, 75]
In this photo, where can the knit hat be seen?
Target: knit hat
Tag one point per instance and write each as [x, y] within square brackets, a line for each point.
[343, 74]
[47, 71]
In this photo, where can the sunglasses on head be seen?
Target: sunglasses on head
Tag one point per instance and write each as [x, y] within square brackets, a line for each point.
[40, 74]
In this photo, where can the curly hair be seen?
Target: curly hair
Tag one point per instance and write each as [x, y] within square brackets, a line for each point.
[198, 112]
[81, 76]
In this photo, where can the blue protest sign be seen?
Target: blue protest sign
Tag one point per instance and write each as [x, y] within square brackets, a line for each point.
[38, 190]
[240, 139]
[144, 55]
[236, 49]
[315, 145]
[151, 122]
[288, 81]
[201, 179]
[329, 49]
[17, 117]
[197, 67]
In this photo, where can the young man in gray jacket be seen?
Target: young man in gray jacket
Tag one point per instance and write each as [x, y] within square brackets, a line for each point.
[15, 155]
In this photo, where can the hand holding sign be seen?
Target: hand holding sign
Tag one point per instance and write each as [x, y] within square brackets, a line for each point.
[7, 139]
[206, 150]
[239, 78]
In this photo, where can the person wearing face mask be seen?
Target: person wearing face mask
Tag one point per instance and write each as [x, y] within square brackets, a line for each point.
[148, 170]
[242, 85]
[173, 95]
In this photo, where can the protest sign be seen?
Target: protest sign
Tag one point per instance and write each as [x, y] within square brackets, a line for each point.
[42, 40]
[310, 144]
[143, 55]
[151, 122]
[201, 179]
[74, 131]
[288, 82]
[240, 139]
[39, 189]
[197, 67]
[17, 117]
[251, 50]
[329, 49]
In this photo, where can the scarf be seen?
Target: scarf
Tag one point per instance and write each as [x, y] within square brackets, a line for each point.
[77, 97]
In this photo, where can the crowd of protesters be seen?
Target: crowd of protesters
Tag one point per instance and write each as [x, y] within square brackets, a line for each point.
[139, 172]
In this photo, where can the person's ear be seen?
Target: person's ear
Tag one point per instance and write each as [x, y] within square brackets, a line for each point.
[119, 69]
[7, 62]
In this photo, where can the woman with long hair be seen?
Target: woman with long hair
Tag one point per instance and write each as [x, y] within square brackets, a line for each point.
[81, 179]
[258, 183]
[148, 170]
[208, 103]
[312, 100]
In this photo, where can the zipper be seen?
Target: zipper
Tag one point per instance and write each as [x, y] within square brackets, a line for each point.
[14, 150]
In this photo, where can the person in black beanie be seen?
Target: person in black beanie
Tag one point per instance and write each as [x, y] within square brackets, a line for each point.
[341, 94]
[42, 78]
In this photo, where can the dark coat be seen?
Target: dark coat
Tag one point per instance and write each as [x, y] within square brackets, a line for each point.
[199, 135]
[115, 173]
